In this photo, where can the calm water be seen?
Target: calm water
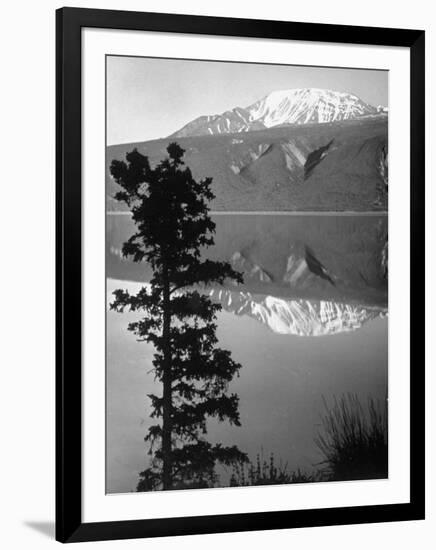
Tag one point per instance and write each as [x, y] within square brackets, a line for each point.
[309, 322]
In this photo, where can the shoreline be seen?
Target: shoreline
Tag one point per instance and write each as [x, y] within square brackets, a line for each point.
[281, 213]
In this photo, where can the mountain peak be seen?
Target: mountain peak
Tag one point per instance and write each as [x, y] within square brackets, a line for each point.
[280, 107]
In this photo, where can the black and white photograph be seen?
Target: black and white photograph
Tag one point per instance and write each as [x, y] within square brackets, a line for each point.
[246, 273]
[217, 285]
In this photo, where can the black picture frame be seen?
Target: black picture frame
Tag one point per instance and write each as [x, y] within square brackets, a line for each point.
[69, 525]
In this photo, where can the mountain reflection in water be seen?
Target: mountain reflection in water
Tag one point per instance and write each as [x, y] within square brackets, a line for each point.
[305, 275]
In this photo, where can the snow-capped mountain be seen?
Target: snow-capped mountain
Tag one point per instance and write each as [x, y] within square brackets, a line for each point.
[294, 106]
[297, 317]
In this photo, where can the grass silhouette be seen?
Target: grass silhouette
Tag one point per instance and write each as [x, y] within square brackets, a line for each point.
[267, 472]
[354, 442]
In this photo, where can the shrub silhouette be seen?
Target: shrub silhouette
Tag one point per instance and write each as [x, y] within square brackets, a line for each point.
[354, 442]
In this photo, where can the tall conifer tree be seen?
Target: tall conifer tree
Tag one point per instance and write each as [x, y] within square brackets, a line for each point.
[170, 211]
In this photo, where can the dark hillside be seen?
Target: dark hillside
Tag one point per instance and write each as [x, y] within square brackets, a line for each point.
[331, 166]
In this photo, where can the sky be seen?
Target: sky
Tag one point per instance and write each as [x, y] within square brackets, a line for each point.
[150, 98]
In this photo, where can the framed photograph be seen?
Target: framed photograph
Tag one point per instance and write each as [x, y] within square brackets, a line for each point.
[240, 275]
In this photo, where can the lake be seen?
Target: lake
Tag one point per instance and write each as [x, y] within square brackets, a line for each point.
[309, 323]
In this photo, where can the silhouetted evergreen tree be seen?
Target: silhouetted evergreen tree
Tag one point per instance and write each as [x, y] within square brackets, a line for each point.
[170, 210]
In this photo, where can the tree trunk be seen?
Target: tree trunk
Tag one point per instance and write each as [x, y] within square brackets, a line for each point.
[167, 389]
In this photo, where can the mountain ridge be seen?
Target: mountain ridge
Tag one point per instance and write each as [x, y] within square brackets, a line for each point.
[283, 107]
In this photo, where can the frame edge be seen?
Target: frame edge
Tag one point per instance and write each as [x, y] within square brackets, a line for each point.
[69, 526]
